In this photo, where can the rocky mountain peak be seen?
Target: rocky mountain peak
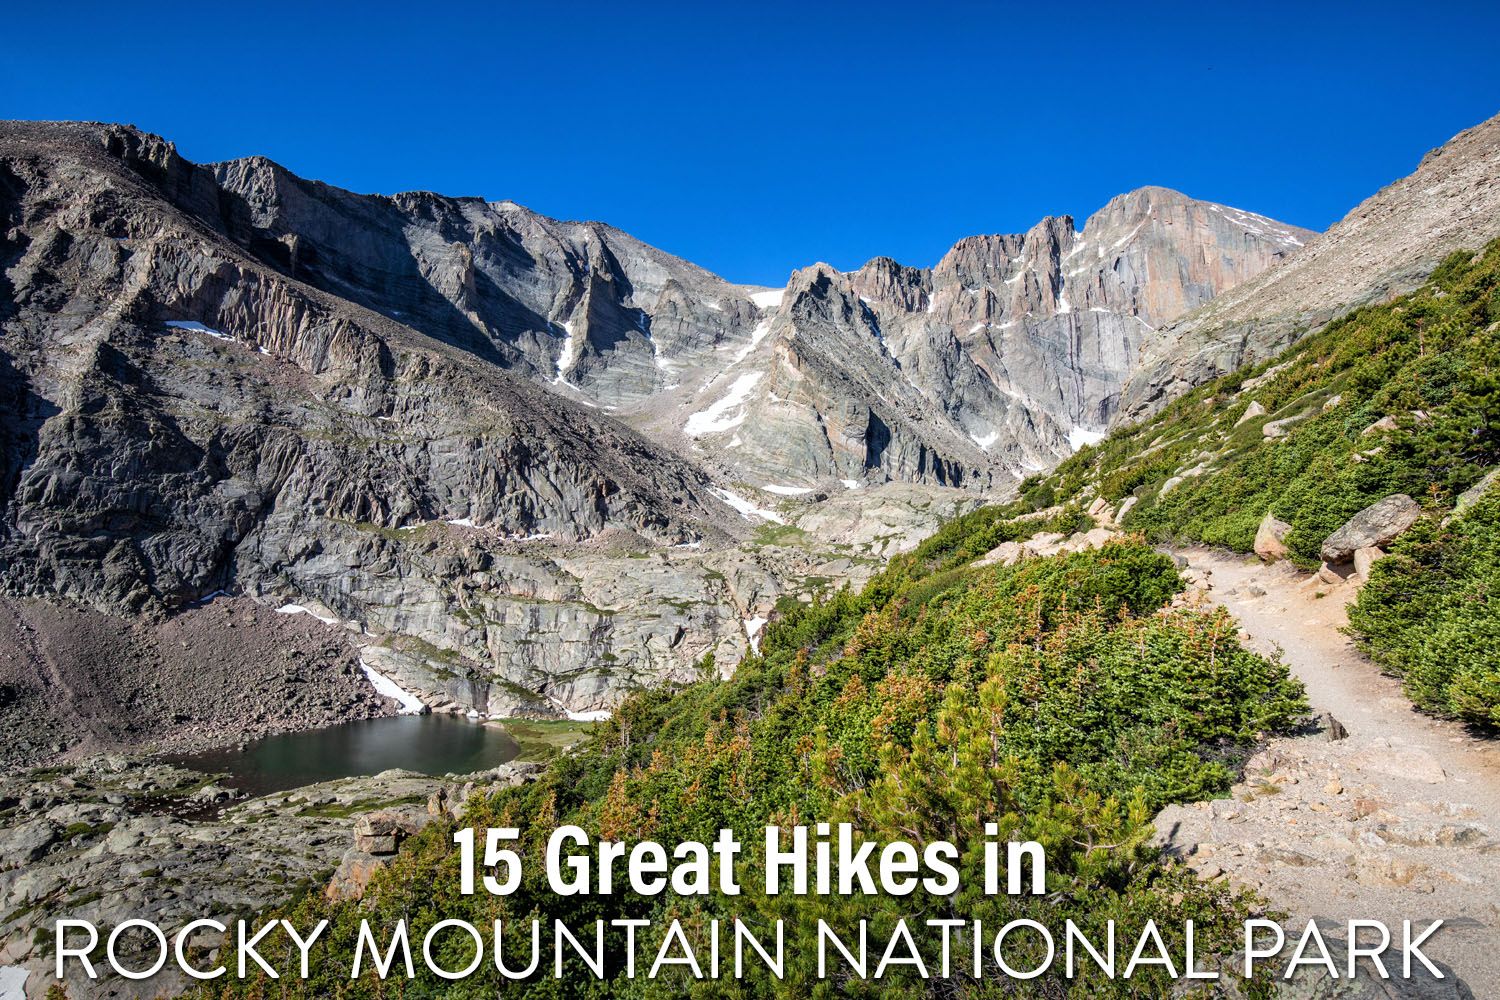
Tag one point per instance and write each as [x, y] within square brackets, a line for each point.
[1386, 245]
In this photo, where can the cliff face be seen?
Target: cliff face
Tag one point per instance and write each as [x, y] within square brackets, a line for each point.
[1386, 246]
[998, 361]
[970, 373]
[181, 418]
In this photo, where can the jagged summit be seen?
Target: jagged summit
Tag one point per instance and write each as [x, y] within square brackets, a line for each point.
[1386, 245]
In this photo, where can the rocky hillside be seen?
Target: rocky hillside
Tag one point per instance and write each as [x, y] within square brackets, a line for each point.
[1001, 359]
[1387, 245]
[997, 360]
[181, 418]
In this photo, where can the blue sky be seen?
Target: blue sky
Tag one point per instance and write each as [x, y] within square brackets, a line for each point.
[754, 139]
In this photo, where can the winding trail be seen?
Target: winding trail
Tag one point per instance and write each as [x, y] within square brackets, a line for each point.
[1400, 821]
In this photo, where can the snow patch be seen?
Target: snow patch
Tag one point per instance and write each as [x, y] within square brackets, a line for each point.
[747, 509]
[297, 609]
[985, 441]
[753, 628]
[850, 484]
[13, 982]
[1080, 437]
[768, 299]
[463, 522]
[787, 491]
[568, 356]
[410, 703]
[728, 412]
[596, 715]
[182, 324]
[756, 336]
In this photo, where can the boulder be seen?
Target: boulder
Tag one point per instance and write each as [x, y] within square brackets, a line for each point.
[1332, 401]
[1364, 558]
[1251, 412]
[1330, 576]
[1270, 538]
[1044, 543]
[1126, 506]
[1005, 554]
[1386, 423]
[27, 842]
[1084, 541]
[381, 833]
[1170, 485]
[1277, 428]
[1378, 524]
[353, 875]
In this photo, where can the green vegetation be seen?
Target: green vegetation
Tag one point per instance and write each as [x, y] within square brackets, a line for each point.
[1397, 398]
[1061, 698]
[1431, 612]
[543, 739]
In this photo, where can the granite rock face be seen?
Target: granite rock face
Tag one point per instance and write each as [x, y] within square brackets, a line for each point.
[181, 418]
[1005, 357]
[1386, 246]
[997, 361]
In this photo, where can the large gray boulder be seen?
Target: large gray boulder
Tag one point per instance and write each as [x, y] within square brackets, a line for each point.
[1378, 524]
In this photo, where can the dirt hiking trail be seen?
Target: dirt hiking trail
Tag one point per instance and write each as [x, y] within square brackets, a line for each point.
[1398, 821]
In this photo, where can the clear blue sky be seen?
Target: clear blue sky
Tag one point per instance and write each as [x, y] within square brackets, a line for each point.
[757, 138]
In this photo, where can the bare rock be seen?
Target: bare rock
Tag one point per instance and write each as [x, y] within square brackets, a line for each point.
[1471, 496]
[381, 833]
[1378, 524]
[1004, 554]
[1401, 762]
[1364, 558]
[1269, 538]
[1251, 412]
[27, 842]
[353, 875]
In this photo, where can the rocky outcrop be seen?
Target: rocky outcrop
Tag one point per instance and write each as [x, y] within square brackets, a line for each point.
[379, 835]
[107, 838]
[183, 418]
[1474, 493]
[228, 378]
[1270, 538]
[1385, 246]
[1378, 524]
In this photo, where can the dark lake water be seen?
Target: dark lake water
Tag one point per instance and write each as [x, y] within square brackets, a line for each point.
[429, 744]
